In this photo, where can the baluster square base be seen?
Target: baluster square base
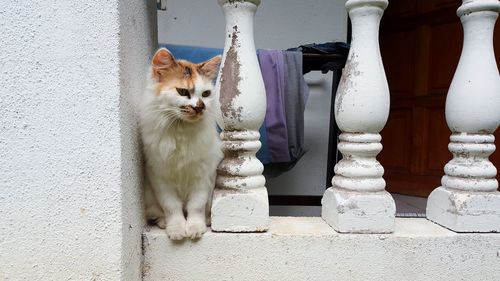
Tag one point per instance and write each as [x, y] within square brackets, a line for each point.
[463, 211]
[358, 212]
[240, 210]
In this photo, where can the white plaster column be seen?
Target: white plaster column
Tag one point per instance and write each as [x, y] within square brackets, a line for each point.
[357, 201]
[240, 202]
[468, 200]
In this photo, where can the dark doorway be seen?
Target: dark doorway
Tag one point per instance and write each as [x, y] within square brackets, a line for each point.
[420, 43]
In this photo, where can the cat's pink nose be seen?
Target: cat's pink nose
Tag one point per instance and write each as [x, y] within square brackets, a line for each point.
[199, 106]
[198, 109]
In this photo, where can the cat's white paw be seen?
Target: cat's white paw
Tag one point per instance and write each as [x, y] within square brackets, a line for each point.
[195, 229]
[161, 223]
[176, 232]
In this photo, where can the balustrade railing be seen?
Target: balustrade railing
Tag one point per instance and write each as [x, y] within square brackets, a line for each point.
[467, 201]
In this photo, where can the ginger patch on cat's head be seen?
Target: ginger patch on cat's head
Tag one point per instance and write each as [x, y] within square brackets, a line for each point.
[210, 67]
[171, 73]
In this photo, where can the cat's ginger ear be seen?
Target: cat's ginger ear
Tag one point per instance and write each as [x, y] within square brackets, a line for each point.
[162, 60]
[209, 68]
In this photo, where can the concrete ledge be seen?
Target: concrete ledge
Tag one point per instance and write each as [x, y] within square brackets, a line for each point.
[308, 249]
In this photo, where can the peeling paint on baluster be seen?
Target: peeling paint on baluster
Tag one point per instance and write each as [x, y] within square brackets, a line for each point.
[230, 79]
[346, 81]
[240, 201]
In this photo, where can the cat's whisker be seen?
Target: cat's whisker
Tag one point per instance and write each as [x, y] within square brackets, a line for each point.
[166, 125]
[171, 123]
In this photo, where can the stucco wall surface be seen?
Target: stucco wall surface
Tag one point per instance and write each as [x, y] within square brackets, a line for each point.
[138, 42]
[308, 249]
[70, 167]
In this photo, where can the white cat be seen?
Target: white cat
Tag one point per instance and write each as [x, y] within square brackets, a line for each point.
[181, 144]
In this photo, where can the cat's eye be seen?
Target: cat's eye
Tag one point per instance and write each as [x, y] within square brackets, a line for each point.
[206, 93]
[183, 92]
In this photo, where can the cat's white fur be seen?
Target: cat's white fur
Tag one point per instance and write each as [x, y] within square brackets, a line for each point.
[181, 159]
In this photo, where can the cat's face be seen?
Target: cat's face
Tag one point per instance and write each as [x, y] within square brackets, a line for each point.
[184, 90]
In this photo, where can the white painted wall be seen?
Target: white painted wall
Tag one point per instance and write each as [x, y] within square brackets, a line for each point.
[70, 172]
[278, 25]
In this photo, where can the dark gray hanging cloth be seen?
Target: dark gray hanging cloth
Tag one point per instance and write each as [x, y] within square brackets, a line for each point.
[296, 94]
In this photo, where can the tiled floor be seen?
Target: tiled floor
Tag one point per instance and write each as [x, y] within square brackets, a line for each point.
[406, 206]
[409, 206]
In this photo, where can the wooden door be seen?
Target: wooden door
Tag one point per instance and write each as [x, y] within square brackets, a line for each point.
[420, 43]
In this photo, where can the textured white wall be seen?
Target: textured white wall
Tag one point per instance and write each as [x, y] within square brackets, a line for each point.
[70, 167]
[278, 25]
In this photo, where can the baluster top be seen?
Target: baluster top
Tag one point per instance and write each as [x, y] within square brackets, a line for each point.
[471, 6]
[223, 2]
[359, 3]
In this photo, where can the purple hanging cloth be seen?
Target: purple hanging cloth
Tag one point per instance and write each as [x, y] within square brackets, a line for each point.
[273, 72]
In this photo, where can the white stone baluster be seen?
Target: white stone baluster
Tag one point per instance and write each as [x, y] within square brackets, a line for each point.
[240, 202]
[357, 202]
[468, 200]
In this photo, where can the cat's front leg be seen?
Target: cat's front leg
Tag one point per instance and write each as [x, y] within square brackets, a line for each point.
[196, 223]
[174, 216]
